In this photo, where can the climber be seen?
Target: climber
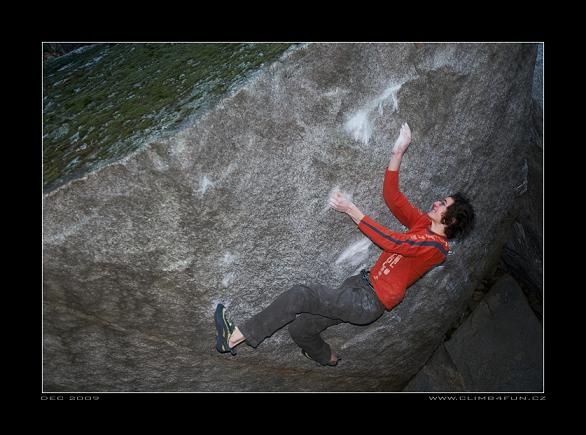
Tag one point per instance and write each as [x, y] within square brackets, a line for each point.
[362, 298]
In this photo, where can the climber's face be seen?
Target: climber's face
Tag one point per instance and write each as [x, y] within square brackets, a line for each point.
[438, 209]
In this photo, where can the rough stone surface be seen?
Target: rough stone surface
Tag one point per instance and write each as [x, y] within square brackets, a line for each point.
[523, 251]
[233, 209]
[439, 374]
[500, 346]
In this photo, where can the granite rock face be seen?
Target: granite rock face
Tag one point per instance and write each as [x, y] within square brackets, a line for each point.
[233, 209]
[499, 348]
[523, 252]
[439, 375]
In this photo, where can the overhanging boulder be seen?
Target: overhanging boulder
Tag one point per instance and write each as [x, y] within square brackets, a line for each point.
[233, 209]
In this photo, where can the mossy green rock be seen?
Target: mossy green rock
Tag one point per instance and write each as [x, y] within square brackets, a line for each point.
[103, 101]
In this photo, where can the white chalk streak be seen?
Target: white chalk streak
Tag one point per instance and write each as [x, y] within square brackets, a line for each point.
[204, 184]
[391, 92]
[359, 125]
[361, 337]
[178, 265]
[228, 279]
[356, 253]
[228, 258]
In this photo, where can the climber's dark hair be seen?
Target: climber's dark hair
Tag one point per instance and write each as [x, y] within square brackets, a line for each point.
[459, 217]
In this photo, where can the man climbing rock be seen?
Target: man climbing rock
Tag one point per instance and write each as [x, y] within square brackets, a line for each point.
[363, 298]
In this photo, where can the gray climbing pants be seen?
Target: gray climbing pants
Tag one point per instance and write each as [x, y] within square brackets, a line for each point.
[311, 309]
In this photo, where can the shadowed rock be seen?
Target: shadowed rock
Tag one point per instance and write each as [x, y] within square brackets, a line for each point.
[523, 252]
[439, 374]
[498, 348]
[233, 209]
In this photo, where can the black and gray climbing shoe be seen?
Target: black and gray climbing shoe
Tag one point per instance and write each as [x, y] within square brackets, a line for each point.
[224, 328]
[330, 363]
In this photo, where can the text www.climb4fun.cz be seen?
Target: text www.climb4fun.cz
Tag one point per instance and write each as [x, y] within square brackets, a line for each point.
[507, 397]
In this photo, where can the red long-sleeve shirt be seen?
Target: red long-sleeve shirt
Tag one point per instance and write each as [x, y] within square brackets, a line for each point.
[406, 256]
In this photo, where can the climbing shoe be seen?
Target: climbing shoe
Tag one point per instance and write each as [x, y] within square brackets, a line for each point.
[332, 364]
[224, 328]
